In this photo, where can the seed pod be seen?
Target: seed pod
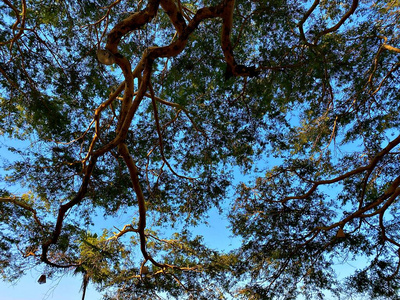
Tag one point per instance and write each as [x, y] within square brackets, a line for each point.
[105, 57]
[42, 279]
[340, 233]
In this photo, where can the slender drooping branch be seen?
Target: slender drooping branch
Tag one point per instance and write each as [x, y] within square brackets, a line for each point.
[378, 157]
[347, 15]
[62, 211]
[134, 174]
[334, 28]
[15, 200]
[131, 100]
[21, 17]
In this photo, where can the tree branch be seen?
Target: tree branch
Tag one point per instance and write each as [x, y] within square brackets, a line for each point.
[14, 200]
[18, 21]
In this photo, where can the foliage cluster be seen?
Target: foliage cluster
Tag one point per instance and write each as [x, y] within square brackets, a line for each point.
[301, 96]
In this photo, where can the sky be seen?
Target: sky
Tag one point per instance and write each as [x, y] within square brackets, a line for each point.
[216, 235]
[27, 288]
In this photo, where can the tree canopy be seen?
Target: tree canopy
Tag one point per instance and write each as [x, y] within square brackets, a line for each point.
[152, 108]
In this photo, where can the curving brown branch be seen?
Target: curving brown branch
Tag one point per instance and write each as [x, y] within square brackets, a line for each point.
[304, 19]
[134, 174]
[127, 112]
[300, 25]
[384, 46]
[232, 69]
[160, 138]
[20, 20]
[131, 101]
[61, 214]
[379, 205]
[133, 22]
[356, 171]
[175, 14]
[15, 200]
[127, 228]
[390, 195]
[227, 22]
[347, 15]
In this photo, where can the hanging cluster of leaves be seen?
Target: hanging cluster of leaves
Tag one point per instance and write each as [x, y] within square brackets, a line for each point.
[150, 108]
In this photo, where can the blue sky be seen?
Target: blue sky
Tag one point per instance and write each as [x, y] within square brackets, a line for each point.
[216, 235]
[27, 288]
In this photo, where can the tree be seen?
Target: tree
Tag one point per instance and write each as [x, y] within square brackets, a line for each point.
[150, 108]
